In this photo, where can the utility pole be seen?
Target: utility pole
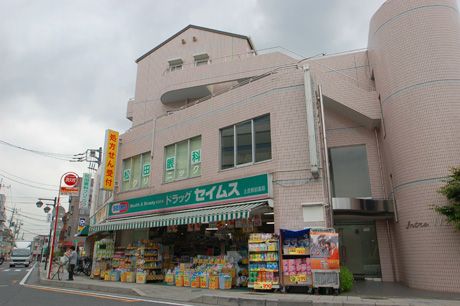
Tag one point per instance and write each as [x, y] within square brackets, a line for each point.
[92, 156]
[12, 215]
[3, 185]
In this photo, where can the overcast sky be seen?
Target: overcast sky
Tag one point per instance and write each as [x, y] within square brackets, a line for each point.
[67, 69]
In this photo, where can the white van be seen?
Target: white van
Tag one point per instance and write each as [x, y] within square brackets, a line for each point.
[20, 257]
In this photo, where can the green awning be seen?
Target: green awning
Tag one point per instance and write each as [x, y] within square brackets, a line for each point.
[84, 232]
[206, 215]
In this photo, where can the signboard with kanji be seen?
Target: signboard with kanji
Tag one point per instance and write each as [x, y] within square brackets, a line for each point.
[245, 189]
[170, 163]
[69, 184]
[146, 170]
[110, 159]
[195, 157]
[84, 190]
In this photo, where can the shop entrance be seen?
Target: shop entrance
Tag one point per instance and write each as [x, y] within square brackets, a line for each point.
[359, 250]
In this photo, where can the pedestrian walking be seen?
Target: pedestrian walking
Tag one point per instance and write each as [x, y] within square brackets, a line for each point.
[72, 257]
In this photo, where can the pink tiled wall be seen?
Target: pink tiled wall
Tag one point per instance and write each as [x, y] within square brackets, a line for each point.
[414, 52]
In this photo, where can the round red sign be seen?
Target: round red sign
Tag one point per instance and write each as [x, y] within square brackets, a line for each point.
[71, 179]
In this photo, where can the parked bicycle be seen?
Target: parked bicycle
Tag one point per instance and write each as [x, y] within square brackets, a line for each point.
[59, 266]
[83, 266]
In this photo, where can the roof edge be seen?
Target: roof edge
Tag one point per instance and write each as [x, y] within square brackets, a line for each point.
[190, 26]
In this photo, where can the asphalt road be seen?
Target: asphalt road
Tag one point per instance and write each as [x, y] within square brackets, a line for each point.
[15, 291]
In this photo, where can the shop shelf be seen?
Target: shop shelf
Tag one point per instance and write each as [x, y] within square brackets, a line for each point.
[265, 260]
[303, 255]
[263, 270]
[251, 251]
[262, 241]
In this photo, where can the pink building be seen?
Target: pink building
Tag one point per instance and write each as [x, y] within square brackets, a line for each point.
[209, 110]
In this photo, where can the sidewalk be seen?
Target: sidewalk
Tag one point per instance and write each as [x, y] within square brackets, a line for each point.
[234, 297]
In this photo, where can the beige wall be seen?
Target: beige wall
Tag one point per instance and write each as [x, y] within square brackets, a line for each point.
[414, 52]
[413, 56]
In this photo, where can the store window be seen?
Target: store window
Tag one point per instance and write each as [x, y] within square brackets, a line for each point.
[183, 160]
[136, 172]
[349, 172]
[246, 142]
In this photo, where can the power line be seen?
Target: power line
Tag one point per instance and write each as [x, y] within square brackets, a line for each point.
[25, 216]
[66, 157]
[27, 180]
[29, 232]
[26, 184]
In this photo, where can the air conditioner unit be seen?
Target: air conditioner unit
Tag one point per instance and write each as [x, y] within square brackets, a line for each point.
[326, 278]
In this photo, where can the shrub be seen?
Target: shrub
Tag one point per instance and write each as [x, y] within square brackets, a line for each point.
[452, 192]
[346, 279]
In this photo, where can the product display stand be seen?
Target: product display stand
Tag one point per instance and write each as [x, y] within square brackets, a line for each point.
[149, 263]
[295, 262]
[264, 261]
[325, 262]
[102, 259]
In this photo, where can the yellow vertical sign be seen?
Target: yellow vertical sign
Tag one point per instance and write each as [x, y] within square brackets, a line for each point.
[110, 157]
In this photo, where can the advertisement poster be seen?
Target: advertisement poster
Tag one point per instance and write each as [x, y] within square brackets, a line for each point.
[324, 245]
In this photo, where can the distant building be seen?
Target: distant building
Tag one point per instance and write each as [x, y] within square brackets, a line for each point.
[6, 234]
[38, 244]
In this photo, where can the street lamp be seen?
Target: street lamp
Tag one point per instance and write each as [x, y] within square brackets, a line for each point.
[47, 210]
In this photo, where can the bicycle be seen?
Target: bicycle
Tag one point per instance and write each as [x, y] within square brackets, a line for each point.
[61, 263]
[83, 266]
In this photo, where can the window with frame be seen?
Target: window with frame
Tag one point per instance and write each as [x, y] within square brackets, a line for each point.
[246, 142]
[201, 59]
[183, 160]
[175, 64]
[350, 172]
[136, 172]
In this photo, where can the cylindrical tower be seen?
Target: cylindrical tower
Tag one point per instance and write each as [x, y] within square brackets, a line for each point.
[414, 53]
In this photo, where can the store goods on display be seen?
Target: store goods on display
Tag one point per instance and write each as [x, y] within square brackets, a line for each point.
[213, 272]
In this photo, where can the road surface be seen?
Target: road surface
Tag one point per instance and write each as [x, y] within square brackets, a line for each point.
[18, 286]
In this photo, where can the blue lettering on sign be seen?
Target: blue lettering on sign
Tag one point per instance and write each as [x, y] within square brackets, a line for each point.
[119, 208]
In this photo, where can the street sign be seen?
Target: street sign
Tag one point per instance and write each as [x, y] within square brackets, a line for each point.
[71, 179]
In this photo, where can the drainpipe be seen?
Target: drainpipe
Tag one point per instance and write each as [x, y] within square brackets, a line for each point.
[310, 122]
[390, 245]
[326, 157]
[380, 162]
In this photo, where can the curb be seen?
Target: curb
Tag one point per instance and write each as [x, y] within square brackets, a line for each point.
[99, 288]
[235, 301]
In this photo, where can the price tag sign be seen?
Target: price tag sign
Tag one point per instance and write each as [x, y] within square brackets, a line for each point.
[300, 251]
[302, 278]
[263, 285]
[292, 251]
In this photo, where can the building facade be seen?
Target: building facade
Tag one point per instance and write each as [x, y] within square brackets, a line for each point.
[360, 141]
[38, 244]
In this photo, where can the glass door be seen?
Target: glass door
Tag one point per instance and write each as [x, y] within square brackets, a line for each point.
[359, 250]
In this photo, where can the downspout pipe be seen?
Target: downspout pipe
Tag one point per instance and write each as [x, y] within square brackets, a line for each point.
[326, 170]
[312, 144]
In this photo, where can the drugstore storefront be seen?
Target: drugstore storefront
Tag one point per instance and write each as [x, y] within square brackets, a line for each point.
[203, 226]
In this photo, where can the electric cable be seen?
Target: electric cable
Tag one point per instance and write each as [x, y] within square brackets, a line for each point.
[27, 180]
[27, 184]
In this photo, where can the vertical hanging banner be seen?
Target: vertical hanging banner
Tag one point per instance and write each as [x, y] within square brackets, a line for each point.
[84, 190]
[110, 159]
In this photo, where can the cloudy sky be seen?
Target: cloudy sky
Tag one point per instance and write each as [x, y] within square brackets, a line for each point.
[67, 70]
